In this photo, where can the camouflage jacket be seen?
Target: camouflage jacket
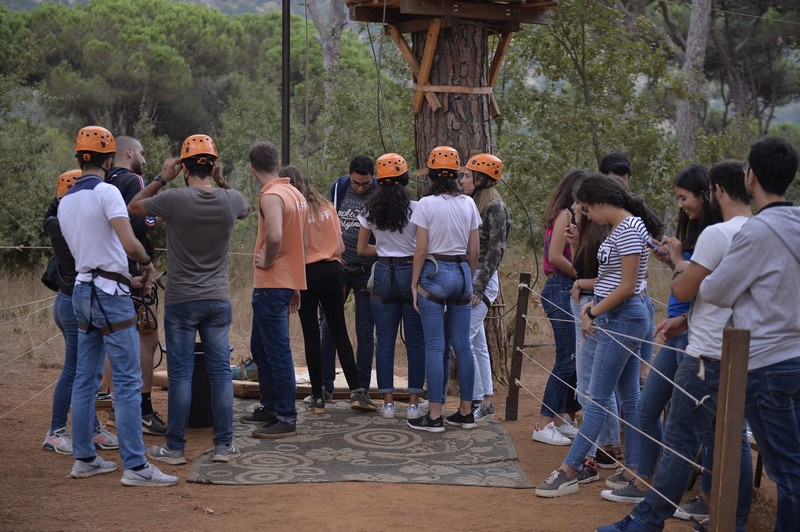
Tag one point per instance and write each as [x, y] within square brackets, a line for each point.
[496, 223]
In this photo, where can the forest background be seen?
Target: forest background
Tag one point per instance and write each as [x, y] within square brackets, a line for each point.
[603, 75]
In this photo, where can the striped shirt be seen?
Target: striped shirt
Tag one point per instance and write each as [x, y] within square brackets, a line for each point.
[628, 238]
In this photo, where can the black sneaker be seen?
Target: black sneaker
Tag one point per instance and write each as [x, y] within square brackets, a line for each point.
[427, 424]
[589, 472]
[609, 459]
[317, 405]
[259, 416]
[461, 420]
[279, 429]
[153, 424]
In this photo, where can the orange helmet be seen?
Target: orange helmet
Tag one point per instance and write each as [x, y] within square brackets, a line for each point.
[390, 165]
[65, 182]
[198, 145]
[487, 164]
[444, 158]
[94, 139]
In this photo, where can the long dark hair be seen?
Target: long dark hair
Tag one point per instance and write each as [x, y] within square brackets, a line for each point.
[694, 178]
[315, 200]
[599, 188]
[389, 207]
[562, 197]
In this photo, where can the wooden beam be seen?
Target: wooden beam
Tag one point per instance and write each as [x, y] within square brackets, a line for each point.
[728, 430]
[427, 61]
[375, 14]
[520, 327]
[440, 8]
[494, 70]
[408, 55]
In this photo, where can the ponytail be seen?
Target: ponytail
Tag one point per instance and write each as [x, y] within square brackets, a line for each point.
[634, 204]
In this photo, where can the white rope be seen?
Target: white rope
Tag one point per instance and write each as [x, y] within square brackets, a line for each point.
[29, 399]
[26, 315]
[641, 479]
[27, 304]
[4, 364]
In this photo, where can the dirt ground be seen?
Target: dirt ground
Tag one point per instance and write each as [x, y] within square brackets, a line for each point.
[37, 492]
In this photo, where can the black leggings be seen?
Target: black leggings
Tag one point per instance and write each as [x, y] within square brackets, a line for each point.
[325, 289]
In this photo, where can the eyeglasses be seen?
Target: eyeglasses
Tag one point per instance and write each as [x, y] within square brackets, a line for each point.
[362, 186]
[746, 168]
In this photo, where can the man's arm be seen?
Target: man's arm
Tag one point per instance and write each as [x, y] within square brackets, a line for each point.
[687, 278]
[216, 175]
[169, 170]
[271, 206]
[737, 271]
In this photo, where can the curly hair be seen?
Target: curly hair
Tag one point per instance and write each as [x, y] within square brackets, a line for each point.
[389, 208]
[443, 182]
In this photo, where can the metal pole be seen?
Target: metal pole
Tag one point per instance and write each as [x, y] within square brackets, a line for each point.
[285, 74]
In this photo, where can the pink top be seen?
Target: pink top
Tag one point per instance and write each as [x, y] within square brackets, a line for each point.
[549, 269]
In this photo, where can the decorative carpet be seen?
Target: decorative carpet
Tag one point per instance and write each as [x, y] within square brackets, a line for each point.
[344, 445]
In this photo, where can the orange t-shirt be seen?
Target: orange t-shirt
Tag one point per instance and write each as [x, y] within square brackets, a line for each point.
[289, 269]
[322, 235]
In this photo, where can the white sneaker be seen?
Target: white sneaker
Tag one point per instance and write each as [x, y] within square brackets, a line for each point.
[58, 441]
[550, 435]
[103, 439]
[568, 429]
[388, 411]
[149, 476]
[98, 466]
[413, 412]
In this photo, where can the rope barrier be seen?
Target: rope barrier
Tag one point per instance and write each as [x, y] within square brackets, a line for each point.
[27, 304]
[4, 364]
[29, 399]
[650, 486]
[26, 315]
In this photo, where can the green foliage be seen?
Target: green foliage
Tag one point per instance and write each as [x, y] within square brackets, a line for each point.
[576, 89]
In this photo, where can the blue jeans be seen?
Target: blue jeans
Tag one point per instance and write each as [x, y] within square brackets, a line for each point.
[122, 349]
[393, 285]
[655, 396]
[684, 429]
[614, 366]
[772, 408]
[480, 350]
[272, 351]
[64, 316]
[584, 358]
[182, 322]
[647, 347]
[451, 283]
[365, 335]
[555, 302]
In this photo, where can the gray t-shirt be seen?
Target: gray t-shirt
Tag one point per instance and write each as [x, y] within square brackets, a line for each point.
[199, 227]
[349, 210]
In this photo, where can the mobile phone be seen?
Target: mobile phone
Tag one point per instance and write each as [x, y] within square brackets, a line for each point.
[655, 247]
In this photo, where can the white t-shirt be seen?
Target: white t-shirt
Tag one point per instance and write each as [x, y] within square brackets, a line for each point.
[706, 321]
[394, 243]
[628, 238]
[84, 217]
[449, 220]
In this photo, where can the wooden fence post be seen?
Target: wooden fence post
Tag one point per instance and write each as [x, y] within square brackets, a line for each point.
[728, 429]
[520, 327]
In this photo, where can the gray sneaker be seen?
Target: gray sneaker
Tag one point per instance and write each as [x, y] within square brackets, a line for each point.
[694, 509]
[162, 453]
[149, 476]
[359, 400]
[326, 395]
[483, 412]
[617, 480]
[98, 466]
[103, 439]
[629, 493]
[277, 430]
[226, 453]
[557, 485]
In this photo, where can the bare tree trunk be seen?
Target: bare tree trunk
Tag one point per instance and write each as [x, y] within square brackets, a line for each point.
[330, 26]
[461, 60]
[497, 339]
[688, 109]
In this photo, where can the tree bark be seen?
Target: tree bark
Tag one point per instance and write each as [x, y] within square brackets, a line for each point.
[497, 339]
[461, 60]
[688, 109]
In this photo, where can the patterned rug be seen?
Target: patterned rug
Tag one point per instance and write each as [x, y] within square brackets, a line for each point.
[343, 445]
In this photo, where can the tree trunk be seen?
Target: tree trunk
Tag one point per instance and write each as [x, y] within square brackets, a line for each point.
[688, 109]
[461, 60]
[497, 339]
